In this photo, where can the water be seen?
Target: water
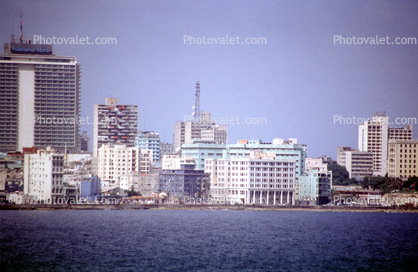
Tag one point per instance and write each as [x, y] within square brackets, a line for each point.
[158, 240]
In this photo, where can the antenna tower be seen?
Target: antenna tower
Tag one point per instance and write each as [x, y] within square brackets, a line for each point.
[197, 104]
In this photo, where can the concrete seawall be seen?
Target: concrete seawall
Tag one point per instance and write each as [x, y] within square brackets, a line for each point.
[203, 207]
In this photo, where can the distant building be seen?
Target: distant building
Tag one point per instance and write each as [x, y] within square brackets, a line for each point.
[43, 176]
[402, 158]
[115, 161]
[39, 98]
[166, 149]
[317, 163]
[90, 188]
[359, 164]
[114, 123]
[184, 182]
[175, 161]
[84, 141]
[216, 133]
[400, 133]
[283, 149]
[149, 140]
[258, 179]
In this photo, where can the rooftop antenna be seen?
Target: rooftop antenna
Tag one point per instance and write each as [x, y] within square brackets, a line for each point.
[21, 27]
[197, 103]
[12, 37]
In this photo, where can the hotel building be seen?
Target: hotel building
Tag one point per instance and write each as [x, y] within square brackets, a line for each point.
[402, 158]
[39, 97]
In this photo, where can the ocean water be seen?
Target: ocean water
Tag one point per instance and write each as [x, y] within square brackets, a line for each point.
[205, 240]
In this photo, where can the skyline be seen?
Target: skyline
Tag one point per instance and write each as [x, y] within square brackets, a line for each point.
[299, 81]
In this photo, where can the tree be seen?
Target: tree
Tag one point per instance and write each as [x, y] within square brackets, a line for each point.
[340, 175]
[411, 182]
[132, 192]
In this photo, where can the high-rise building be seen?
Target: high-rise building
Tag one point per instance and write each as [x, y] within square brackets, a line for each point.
[215, 133]
[149, 140]
[114, 123]
[165, 149]
[373, 137]
[39, 97]
[402, 158]
[84, 141]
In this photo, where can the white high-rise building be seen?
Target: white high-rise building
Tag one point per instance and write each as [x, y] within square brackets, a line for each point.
[43, 176]
[39, 98]
[373, 137]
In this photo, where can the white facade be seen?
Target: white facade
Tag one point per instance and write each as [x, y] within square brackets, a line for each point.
[43, 176]
[259, 179]
[373, 137]
[318, 164]
[175, 161]
[115, 161]
[358, 163]
[216, 133]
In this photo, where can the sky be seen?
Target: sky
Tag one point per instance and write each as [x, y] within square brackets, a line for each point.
[304, 78]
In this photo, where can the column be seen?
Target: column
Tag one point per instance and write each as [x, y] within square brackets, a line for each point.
[267, 200]
[274, 199]
[281, 197]
[287, 197]
[254, 197]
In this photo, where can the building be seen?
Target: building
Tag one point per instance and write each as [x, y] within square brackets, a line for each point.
[283, 149]
[314, 187]
[166, 149]
[215, 133]
[43, 176]
[90, 189]
[114, 123]
[359, 164]
[373, 137]
[39, 98]
[185, 132]
[257, 179]
[402, 158]
[184, 182]
[117, 160]
[84, 141]
[149, 140]
[317, 163]
[400, 133]
[175, 161]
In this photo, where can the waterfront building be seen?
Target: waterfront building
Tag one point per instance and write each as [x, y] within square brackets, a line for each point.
[184, 182]
[90, 188]
[260, 178]
[117, 160]
[39, 98]
[43, 176]
[283, 149]
[114, 123]
[359, 164]
[314, 186]
[149, 140]
[402, 158]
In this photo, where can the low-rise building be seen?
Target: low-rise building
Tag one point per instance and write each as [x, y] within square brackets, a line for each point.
[314, 187]
[359, 164]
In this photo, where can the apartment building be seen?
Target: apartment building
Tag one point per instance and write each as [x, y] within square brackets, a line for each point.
[402, 158]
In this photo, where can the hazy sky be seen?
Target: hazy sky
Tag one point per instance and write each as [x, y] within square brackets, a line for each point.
[299, 82]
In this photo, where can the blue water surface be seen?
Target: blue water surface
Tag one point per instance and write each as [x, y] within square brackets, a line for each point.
[205, 240]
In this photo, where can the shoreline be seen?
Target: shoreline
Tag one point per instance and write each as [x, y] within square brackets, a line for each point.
[206, 207]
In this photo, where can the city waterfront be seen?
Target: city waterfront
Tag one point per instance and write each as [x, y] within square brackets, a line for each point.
[207, 240]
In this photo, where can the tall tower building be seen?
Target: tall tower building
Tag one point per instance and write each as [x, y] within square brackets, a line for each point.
[373, 137]
[39, 98]
[114, 123]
